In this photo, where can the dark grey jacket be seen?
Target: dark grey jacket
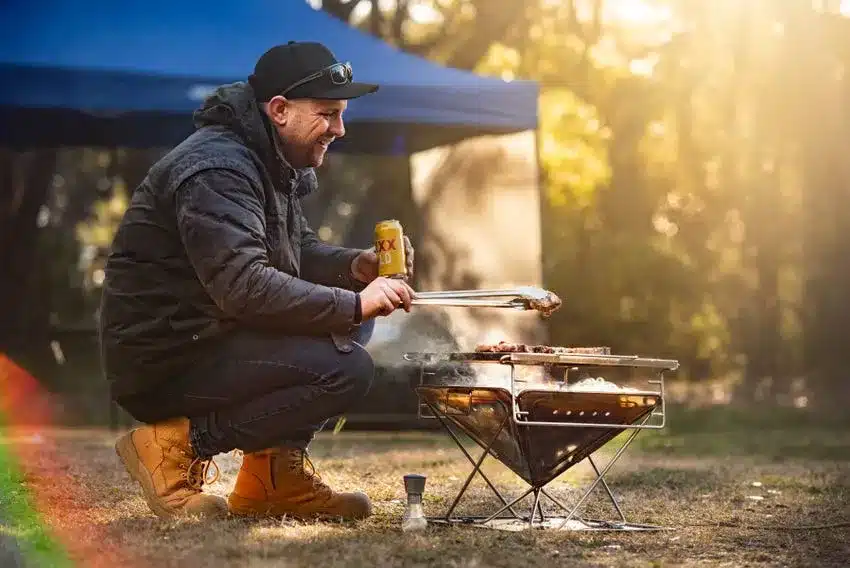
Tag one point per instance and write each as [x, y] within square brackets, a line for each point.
[214, 238]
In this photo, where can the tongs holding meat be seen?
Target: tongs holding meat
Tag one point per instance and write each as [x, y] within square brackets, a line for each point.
[522, 298]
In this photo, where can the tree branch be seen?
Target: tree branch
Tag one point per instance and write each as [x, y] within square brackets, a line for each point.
[376, 19]
[402, 13]
[595, 23]
[342, 10]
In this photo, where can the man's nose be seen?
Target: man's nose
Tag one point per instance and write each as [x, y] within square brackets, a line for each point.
[337, 128]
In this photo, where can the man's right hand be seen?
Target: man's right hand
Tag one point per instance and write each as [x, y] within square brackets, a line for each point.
[383, 296]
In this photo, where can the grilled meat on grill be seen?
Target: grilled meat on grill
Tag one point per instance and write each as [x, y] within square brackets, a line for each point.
[507, 347]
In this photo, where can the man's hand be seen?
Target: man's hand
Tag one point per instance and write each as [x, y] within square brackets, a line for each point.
[383, 296]
[364, 267]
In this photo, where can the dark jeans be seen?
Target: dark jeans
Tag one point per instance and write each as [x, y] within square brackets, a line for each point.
[262, 390]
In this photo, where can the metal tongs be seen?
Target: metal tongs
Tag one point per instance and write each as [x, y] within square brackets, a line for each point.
[514, 298]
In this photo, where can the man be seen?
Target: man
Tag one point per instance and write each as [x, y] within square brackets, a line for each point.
[225, 323]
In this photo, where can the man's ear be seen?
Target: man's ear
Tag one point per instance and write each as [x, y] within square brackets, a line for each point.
[278, 110]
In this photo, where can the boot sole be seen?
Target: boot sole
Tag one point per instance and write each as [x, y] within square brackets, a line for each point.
[128, 455]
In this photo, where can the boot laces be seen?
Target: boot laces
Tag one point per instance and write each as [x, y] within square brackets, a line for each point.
[197, 474]
[313, 474]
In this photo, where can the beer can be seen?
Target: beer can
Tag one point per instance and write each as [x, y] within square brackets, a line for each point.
[389, 246]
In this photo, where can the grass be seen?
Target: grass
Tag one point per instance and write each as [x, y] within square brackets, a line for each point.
[772, 435]
[23, 535]
[736, 490]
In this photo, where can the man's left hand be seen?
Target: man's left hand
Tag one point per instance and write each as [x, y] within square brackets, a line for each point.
[364, 267]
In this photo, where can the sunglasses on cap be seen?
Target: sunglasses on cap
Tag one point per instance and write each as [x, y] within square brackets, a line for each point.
[339, 74]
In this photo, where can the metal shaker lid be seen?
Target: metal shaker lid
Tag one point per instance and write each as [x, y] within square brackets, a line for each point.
[414, 483]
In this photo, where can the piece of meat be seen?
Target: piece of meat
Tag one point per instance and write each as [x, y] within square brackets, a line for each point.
[501, 347]
[547, 305]
[507, 347]
[583, 350]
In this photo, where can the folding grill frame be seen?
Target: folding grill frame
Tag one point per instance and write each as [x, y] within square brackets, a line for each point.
[518, 419]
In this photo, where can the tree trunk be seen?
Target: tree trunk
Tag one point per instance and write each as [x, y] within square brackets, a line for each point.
[825, 144]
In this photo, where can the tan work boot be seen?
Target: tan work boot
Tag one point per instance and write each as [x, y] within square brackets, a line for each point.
[283, 481]
[160, 458]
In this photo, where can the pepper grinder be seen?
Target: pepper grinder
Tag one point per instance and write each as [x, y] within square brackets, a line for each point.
[414, 516]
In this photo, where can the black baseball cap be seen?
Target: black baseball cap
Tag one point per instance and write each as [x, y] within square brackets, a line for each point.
[305, 70]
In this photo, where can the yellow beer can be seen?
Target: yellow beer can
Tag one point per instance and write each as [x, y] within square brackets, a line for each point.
[389, 246]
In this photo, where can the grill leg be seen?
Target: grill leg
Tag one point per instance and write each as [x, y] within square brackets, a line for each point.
[476, 464]
[600, 476]
[607, 490]
[515, 501]
[534, 507]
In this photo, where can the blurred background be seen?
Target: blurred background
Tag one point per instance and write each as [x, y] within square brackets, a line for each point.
[683, 185]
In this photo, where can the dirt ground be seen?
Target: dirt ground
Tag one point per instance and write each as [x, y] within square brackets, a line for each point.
[732, 492]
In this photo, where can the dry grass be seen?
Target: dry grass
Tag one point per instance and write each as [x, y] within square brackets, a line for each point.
[669, 479]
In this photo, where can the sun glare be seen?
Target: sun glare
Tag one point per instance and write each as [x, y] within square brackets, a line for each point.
[424, 13]
[844, 8]
[636, 12]
[419, 11]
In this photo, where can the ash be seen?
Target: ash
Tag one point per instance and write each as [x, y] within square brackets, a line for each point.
[597, 384]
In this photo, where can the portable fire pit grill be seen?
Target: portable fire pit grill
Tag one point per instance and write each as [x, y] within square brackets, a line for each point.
[550, 412]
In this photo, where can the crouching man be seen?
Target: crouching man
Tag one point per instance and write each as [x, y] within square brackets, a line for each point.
[225, 323]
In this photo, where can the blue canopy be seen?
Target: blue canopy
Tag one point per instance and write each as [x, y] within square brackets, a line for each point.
[131, 73]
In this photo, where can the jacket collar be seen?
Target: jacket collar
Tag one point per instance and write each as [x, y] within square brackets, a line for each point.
[234, 107]
[302, 181]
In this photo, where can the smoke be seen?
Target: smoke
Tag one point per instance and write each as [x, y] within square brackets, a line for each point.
[436, 330]
[416, 332]
[443, 332]
[450, 330]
